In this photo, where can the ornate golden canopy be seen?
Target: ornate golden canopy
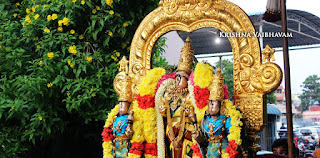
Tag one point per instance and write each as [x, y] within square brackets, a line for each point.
[252, 78]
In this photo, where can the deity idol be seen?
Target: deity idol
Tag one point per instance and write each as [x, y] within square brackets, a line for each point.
[216, 124]
[118, 128]
[175, 106]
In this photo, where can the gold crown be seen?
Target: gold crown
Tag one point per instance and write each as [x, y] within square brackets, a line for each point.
[122, 82]
[217, 87]
[186, 57]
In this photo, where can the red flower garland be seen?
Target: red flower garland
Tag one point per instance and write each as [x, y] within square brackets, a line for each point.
[107, 134]
[201, 96]
[196, 150]
[231, 149]
[145, 102]
[226, 92]
[136, 148]
[151, 149]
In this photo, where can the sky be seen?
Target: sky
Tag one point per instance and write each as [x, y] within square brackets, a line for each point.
[303, 63]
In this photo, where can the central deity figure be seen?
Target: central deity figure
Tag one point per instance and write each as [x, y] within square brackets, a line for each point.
[175, 106]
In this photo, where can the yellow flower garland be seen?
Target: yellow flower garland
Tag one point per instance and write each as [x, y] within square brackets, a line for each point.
[145, 123]
[203, 75]
[107, 146]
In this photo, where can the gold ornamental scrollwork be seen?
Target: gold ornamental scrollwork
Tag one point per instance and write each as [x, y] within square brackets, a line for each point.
[252, 79]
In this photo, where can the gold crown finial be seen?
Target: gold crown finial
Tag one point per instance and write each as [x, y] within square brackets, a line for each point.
[217, 87]
[186, 57]
[122, 82]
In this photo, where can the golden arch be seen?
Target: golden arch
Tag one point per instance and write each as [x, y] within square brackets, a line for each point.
[252, 79]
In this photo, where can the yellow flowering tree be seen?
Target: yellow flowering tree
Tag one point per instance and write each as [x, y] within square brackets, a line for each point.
[58, 61]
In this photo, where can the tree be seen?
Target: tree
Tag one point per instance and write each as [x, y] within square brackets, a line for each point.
[227, 71]
[311, 92]
[58, 61]
[271, 98]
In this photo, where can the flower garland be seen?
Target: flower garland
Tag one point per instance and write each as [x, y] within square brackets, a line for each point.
[166, 84]
[234, 139]
[145, 124]
[107, 134]
[199, 83]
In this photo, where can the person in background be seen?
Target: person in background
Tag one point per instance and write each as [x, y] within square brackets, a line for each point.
[280, 147]
[283, 127]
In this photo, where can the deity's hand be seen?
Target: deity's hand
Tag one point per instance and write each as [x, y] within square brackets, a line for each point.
[176, 143]
[129, 131]
[163, 107]
[196, 136]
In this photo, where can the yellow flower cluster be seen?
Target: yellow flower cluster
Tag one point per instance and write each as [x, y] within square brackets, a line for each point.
[40, 63]
[149, 82]
[52, 17]
[83, 2]
[98, 8]
[72, 31]
[89, 58]
[36, 16]
[50, 55]
[81, 37]
[94, 11]
[73, 50]
[125, 24]
[70, 64]
[46, 30]
[49, 85]
[15, 15]
[203, 75]
[40, 118]
[235, 129]
[64, 21]
[74, 1]
[111, 12]
[60, 29]
[114, 58]
[109, 2]
[110, 34]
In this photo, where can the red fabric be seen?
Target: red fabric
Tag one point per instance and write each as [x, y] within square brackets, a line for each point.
[107, 134]
[231, 149]
[136, 148]
[196, 150]
[163, 78]
[151, 149]
[145, 102]
[201, 95]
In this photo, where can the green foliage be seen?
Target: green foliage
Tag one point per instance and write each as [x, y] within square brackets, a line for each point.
[311, 92]
[271, 98]
[227, 71]
[58, 62]
[158, 60]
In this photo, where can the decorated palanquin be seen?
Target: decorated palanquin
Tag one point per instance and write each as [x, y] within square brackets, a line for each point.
[187, 113]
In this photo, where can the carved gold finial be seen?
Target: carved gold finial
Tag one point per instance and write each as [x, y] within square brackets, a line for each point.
[122, 82]
[124, 63]
[217, 87]
[268, 53]
[186, 57]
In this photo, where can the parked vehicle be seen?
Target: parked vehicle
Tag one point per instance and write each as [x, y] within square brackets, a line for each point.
[282, 133]
[310, 133]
